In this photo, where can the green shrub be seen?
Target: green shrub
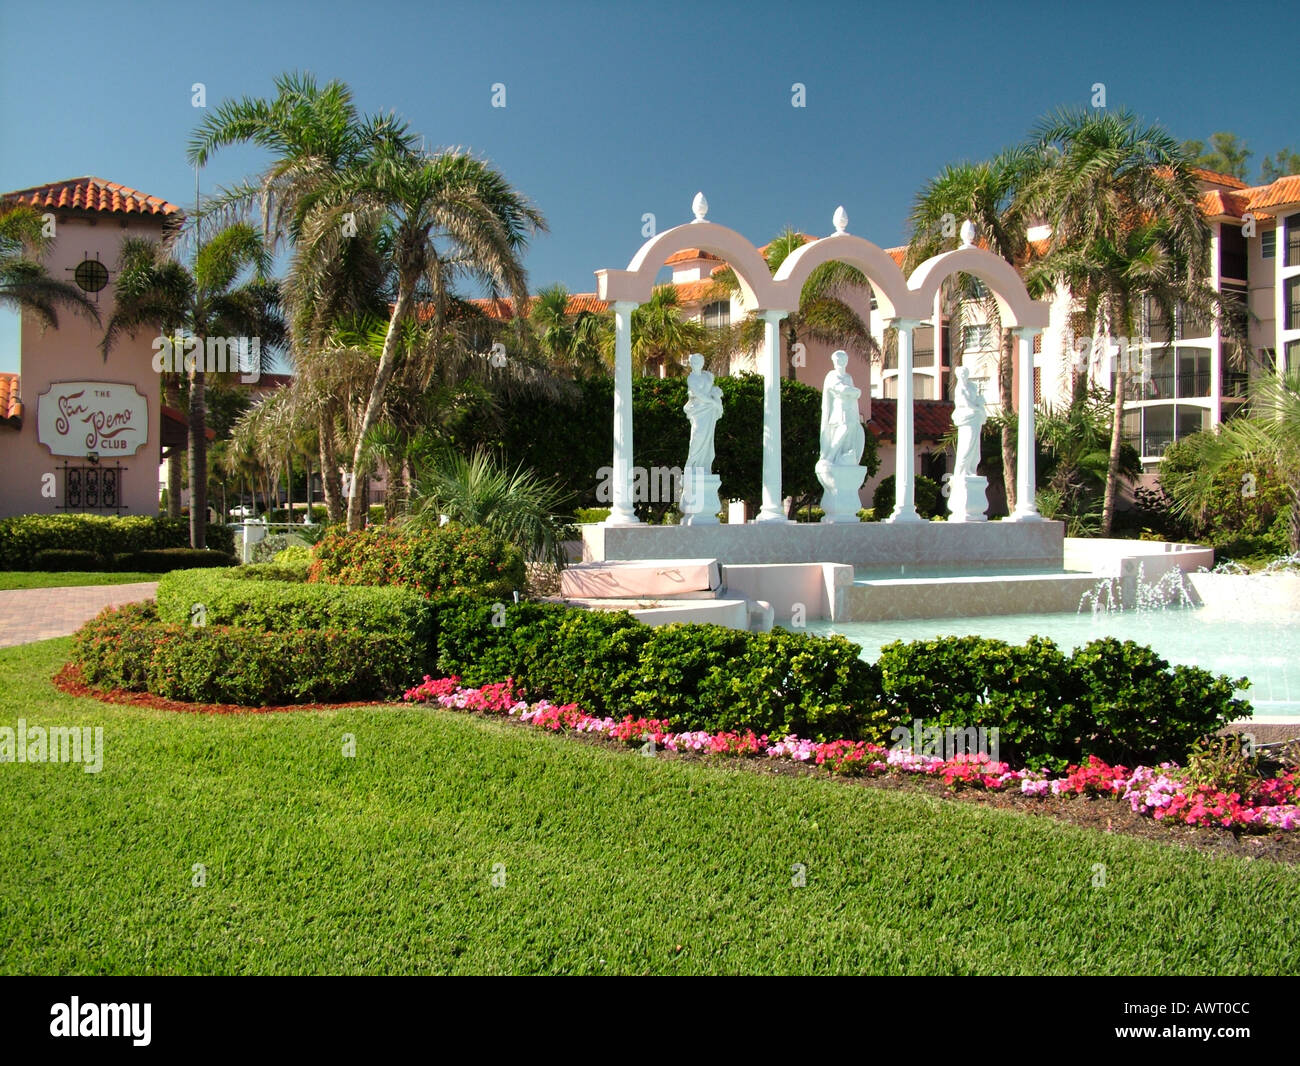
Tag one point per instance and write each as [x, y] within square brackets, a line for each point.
[53, 560]
[926, 494]
[1025, 691]
[283, 605]
[1138, 710]
[270, 572]
[129, 648]
[441, 561]
[226, 664]
[114, 649]
[22, 536]
[294, 555]
[674, 663]
[163, 560]
[590, 515]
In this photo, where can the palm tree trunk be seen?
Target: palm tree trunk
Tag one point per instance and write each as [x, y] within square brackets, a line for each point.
[173, 393]
[371, 414]
[198, 462]
[330, 483]
[1005, 389]
[1295, 517]
[1116, 442]
[288, 486]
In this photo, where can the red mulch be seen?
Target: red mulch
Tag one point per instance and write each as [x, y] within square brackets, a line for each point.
[68, 681]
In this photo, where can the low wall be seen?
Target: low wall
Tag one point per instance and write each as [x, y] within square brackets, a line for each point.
[1247, 595]
[1117, 558]
[966, 546]
[820, 588]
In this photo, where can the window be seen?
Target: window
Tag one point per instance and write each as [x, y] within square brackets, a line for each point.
[1157, 429]
[717, 315]
[1293, 241]
[1193, 372]
[976, 338]
[1291, 304]
[1189, 420]
[1292, 355]
[1268, 244]
[1232, 252]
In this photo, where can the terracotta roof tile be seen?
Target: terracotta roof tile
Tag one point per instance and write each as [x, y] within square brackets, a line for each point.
[578, 302]
[1219, 203]
[932, 419]
[92, 194]
[689, 292]
[687, 255]
[1283, 191]
[1217, 178]
[11, 404]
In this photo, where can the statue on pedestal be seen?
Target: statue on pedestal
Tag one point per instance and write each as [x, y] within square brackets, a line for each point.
[703, 408]
[967, 493]
[842, 441]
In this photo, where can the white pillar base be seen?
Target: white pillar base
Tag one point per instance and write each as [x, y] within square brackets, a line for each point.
[699, 502]
[968, 499]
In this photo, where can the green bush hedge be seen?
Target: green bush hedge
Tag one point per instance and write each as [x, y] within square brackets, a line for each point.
[54, 560]
[163, 560]
[1118, 700]
[698, 676]
[283, 605]
[130, 648]
[443, 560]
[107, 536]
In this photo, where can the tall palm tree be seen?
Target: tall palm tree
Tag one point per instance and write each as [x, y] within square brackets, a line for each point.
[158, 291]
[572, 341]
[25, 284]
[1267, 433]
[661, 337]
[824, 314]
[991, 194]
[314, 133]
[441, 218]
[1124, 208]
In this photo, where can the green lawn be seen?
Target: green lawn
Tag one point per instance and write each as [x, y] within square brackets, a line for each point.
[24, 579]
[612, 862]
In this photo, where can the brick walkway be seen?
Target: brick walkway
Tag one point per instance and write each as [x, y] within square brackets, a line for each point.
[38, 614]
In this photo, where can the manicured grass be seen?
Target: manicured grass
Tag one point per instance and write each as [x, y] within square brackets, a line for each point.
[25, 579]
[613, 863]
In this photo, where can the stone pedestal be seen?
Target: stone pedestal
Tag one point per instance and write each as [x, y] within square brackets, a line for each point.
[968, 499]
[842, 483]
[700, 504]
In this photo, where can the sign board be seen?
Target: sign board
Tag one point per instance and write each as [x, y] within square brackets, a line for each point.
[77, 418]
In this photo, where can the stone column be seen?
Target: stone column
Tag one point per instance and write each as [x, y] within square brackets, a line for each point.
[771, 511]
[1026, 455]
[905, 442]
[621, 512]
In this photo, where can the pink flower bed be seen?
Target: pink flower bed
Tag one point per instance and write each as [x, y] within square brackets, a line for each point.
[1155, 791]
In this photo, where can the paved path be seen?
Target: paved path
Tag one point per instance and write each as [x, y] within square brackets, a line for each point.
[39, 614]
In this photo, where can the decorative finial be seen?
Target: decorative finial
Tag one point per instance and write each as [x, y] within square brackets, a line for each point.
[967, 233]
[841, 220]
[700, 206]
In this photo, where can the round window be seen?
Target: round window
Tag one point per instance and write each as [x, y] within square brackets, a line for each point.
[91, 275]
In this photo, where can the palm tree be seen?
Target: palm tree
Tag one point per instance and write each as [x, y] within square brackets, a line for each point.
[315, 133]
[661, 337]
[158, 291]
[518, 506]
[25, 285]
[1123, 205]
[1267, 433]
[824, 314]
[991, 195]
[567, 340]
[441, 218]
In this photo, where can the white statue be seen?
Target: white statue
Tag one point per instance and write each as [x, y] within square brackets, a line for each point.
[703, 409]
[842, 435]
[968, 416]
[842, 441]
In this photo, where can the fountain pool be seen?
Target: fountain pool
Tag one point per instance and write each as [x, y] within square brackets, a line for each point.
[1267, 651]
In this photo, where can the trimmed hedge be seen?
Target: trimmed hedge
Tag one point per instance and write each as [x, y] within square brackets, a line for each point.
[439, 561]
[23, 536]
[1117, 700]
[163, 560]
[130, 648]
[699, 676]
[402, 615]
[54, 560]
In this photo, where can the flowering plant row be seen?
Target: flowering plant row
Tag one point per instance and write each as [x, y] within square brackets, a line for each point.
[1156, 791]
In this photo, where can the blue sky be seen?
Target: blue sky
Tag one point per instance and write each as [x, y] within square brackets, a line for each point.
[615, 110]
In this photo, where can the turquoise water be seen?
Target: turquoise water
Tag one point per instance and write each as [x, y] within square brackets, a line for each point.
[1265, 651]
[878, 573]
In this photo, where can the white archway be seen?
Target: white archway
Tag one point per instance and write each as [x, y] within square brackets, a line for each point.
[1018, 311]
